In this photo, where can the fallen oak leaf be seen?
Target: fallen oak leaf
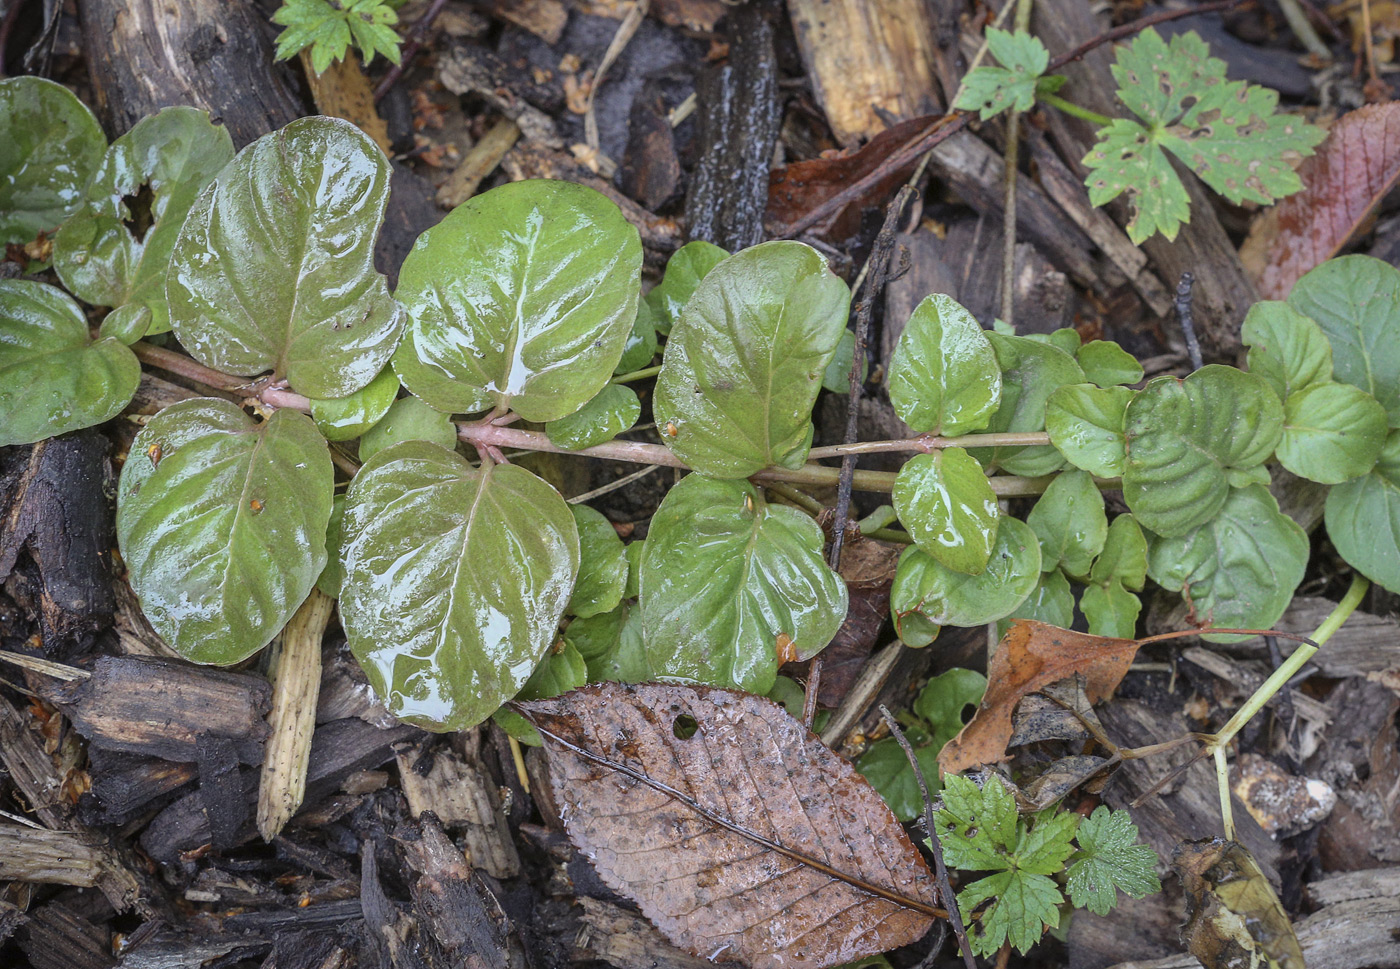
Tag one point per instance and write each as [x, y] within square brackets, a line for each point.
[747, 840]
[1032, 655]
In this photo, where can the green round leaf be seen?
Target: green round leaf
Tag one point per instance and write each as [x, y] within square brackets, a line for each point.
[886, 767]
[408, 419]
[1070, 521]
[612, 646]
[1331, 432]
[640, 347]
[724, 576]
[50, 147]
[344, 418]
[1111, 610]
[1363, 518]
[743, 366]
[166, 160]
[1051, 601]
[274, 265]
[455, 580]
[837, 375]
[1030, 372]
[1185, 435]
[53, 377]
[333, 574]
[614, 410]
[1239, 569]
[946, 502]
[1086, 426]
[687, 266]
[948, 699]
[222, 523]
[928, 591]
[602, 571]
[522, 298]
[1067, 338]
[126, 324]
[1107, 364]
[1124, 555]
[1286, 348]
[634, 550]
[1356, 299]
[944, 377]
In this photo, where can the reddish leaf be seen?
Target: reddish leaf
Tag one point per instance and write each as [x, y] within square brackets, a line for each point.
[1032, 655]
[747, 841]
[1342, 185]
[796, 189]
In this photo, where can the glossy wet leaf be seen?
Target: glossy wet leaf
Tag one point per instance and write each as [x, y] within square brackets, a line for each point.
[1066, 338]
[333, 574]
[1085, 424]
[640, 347]
[222, 523]
[344, 418]
[1184, 436]
[688, 265]
[744, 363]
[725, 577]
[1030, 372]
[927, 595]
[1050, 601]
[54, 377]
[523, 297]
[944, 377]
[635, 550]
[51, 146]
[1233, 917]
[116, 252]
[1107, 364]
[1331, 433]
[611, 645]
[561, 670]
[614, 410]
[274, 266]
[1239, 569]
[1124, 555]
[455, 580]
[1355, 300]
[992, 90]
[408, 419]
[602, 571]
[1031, 656]
[944, 500]
[1363, 518]
[1111, 609]
[1110, 860]
[1071, 523]
[658, 815]
[1286, 348]
[837, 375]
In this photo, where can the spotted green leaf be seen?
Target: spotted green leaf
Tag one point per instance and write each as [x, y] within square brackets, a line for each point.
[1363, 518]
[50, 148]
[1239, 568]
[408, 419]
[116, 252]
[946, 502]
[602, 571]
[744, 363]
[1286, 348]
[614, 410]
[1331, 432]
[455, 580]
[522, 298]
[54, 377]
[944, 377]
[687, 266]
[1086, 426]
[927, 595]
[726, 577]
[274, 265]
[222, 523]
[344, 418]
[1184, 436]
[1356, 301]
[992, 90]
[1110, 860]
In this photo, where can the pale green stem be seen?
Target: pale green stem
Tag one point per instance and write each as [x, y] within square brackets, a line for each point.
[1227, 812]
[643, 374]
[1070, 108]
[891, 535]
[929, 442]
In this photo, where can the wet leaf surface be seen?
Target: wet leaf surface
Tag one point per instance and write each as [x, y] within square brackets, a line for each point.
[1030, 656]
[1031, 370]
[943, 498]
[749, 840]
[1350, 174]
[51, 146]
[944, 377]
[274, 265]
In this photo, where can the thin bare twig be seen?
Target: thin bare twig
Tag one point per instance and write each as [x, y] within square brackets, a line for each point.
[1183, 315]
[945, 885]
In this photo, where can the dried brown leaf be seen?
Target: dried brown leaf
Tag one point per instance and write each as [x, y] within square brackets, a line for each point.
[748, 841]
[1233, 917]
[1343, 183]
[1030, 656]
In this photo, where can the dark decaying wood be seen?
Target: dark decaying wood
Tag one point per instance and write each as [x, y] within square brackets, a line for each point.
[125, 786]
[57, 937]
[163, 707]
[739, 116]
[144, 55]
[56, 519]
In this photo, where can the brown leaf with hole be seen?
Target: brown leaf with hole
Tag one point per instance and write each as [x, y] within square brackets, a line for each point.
[748, 841]
[1030, 656]
[1343, 183]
